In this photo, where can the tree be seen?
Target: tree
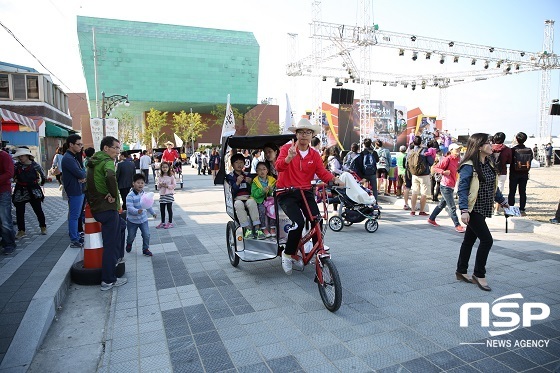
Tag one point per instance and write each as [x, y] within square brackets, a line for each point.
[155, 121]
[273, 128]
[129, 130]
[189, 127]
[220, 114]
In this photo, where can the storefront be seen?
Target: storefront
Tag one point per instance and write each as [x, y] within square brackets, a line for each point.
[19, 130]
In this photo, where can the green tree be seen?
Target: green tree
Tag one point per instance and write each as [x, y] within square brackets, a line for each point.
[129, 130]
[273, 128]
[189, 127]
[220, 113]
[155, 121]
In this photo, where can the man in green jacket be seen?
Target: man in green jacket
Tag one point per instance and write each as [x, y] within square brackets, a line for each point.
[104, 201]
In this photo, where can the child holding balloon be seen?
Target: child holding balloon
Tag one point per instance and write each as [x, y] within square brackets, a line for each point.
[138, 202]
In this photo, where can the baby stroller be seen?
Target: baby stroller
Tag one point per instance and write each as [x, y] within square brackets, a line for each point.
[356, 205]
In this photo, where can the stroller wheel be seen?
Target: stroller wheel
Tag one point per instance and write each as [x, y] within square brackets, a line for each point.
[336, 224]
[371, 225]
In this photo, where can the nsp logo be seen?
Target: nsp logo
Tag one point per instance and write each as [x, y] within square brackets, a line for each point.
[499, 309]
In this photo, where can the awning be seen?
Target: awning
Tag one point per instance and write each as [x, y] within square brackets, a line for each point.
[52, 130]
[12, 118]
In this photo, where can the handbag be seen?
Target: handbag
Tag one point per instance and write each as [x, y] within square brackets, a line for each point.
[55, 171]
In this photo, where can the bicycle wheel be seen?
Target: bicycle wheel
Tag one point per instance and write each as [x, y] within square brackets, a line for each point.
[331, 290]
[371, 225]
[231, 243]
[335, 223]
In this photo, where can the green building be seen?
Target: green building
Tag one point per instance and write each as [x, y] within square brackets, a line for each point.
[167, 67]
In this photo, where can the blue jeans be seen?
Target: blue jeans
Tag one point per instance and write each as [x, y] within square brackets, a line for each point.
[8, 236]
[112, 231]
[446, 202]
[75, 204]
[132, 228]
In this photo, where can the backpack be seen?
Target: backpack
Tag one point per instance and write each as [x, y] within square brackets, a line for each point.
[383, 162]
[522, 159]
[370, 167]
[417, 162]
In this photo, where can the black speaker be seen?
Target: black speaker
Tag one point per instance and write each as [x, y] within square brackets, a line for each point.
[555, 109]
[342, 96]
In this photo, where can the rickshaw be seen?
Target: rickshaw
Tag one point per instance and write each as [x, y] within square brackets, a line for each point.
[311, 248]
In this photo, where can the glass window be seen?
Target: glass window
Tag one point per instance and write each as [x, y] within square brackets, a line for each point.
[32, 87]
[4, 86]
[19, 87]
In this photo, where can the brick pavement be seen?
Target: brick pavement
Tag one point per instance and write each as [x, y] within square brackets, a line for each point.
[23, 273]
[187, 309]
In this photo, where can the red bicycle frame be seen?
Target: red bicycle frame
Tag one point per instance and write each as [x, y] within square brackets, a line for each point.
[314, 233]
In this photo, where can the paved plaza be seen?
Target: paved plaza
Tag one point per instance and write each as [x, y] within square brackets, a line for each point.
[187, 309]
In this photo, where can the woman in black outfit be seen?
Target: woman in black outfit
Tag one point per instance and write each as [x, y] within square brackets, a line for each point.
[478, 190]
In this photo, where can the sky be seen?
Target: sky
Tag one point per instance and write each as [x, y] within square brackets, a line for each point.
[508, 104]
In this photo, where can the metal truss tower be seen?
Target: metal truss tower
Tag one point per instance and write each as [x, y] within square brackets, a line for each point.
[317, 110]
[544, 115]
[489, 61]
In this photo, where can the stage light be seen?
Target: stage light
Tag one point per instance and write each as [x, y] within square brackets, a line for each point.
[428, 55]
[442, 59]
[486, 64]
[401, 52]
[423, 84]
[491, 49]
[345, 80]
[522, 54]
[451, 44]
[324, 78]
[406, 85]
[436, 84]
[473, 62]
[384, 84]
[508, 68]
[456, 59]
[516, 66]
[413, 38]
[414, 56]
[498, 64]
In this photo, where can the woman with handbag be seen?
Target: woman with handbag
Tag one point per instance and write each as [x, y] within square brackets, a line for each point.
[29, 178]
[56, 168]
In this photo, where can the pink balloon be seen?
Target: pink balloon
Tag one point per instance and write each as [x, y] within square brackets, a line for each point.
[147, 200]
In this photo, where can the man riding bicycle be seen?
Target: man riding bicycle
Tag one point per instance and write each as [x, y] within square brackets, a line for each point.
[296, 165]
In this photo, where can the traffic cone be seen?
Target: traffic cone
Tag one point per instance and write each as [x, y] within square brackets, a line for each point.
[93, 241]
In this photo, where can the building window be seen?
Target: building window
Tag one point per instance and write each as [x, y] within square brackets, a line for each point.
[19, 87]
[32, 87]
[4, 86]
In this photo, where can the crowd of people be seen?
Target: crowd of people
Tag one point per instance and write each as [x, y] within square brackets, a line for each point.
[477, 179]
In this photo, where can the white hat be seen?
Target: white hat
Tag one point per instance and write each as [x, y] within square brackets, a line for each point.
[305, 124]
[22, 151]
[454, 146]
[169, 143]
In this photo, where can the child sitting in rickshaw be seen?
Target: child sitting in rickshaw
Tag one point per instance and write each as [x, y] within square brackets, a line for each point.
[240, 184]
[262, 192]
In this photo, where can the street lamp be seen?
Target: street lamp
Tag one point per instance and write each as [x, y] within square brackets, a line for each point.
[109, 103]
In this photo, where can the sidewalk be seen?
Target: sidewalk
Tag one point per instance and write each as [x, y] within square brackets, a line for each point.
[187, 309]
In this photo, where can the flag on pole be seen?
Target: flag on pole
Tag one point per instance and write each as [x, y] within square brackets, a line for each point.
[228, 128]
[289, 117]
[154, 144]
[178, 141]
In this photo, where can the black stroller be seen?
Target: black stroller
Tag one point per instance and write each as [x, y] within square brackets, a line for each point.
[350, 211]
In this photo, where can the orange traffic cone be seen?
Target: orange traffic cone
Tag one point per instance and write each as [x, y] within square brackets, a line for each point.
[93, 241]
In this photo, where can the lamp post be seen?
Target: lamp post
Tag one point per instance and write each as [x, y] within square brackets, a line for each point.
[108, 103]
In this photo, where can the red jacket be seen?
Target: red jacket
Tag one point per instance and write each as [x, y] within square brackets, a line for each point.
[450, 163]
[6, 172]
[169, 156]
[300, 171]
